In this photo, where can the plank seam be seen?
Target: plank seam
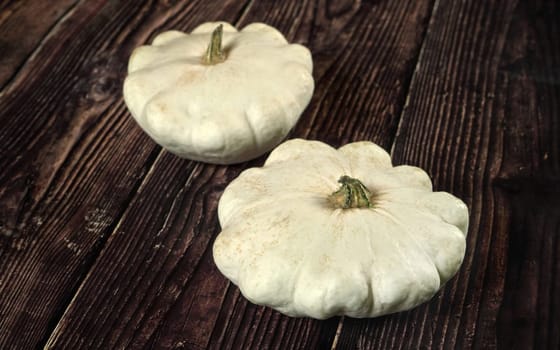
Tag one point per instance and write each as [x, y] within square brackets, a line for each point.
[411, 84]
[152, 160]
[50, 32]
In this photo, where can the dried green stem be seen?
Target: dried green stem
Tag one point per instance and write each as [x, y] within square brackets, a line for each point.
[352, 194]
[214, 53]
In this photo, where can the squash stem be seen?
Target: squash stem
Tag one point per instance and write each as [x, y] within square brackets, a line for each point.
[352, 194]
[215, 53]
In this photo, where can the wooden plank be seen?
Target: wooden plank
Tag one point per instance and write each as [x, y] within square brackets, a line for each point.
[530, 178]
[154, 284]
[530, 313]
[482, 119]
[71, 157]
[23, 25]
[363, 66]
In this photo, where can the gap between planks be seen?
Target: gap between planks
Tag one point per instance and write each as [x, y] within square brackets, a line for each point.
[53, 29]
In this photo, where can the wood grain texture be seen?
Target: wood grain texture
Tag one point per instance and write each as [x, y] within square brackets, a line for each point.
[530, 312]
[24, 25]
[482, 119]
[105, 239]
[530, 179]
[178, 299]
[71, 160]
[363, 66]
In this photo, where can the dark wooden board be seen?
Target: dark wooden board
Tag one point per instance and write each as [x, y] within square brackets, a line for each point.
[485, 100]
[24, 25]
[105, 239]
[72, 158]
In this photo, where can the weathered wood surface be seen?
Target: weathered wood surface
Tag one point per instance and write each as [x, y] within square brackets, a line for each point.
[105, 239]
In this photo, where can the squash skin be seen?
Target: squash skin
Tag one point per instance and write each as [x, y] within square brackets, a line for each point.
[286, 247]
[224, 113]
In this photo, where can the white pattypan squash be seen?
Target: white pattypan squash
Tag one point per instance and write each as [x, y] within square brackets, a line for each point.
[219, 95]
[321, 232]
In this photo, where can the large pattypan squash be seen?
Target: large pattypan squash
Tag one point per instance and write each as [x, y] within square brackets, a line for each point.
[219, 95]
[321, 232]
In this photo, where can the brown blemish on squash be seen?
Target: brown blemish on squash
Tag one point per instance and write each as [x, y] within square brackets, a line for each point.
[189, 77]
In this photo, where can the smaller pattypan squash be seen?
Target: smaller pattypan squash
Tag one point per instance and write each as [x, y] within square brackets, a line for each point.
[321, 232]
[219, 95]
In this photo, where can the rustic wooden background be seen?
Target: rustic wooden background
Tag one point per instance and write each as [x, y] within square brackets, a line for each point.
[105, 239]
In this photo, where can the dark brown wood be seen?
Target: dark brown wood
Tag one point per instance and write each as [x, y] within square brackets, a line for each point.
[24, 25]
[72, 158]
[105, 239]
[363, 65]
[529, 178]
[482, 119]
